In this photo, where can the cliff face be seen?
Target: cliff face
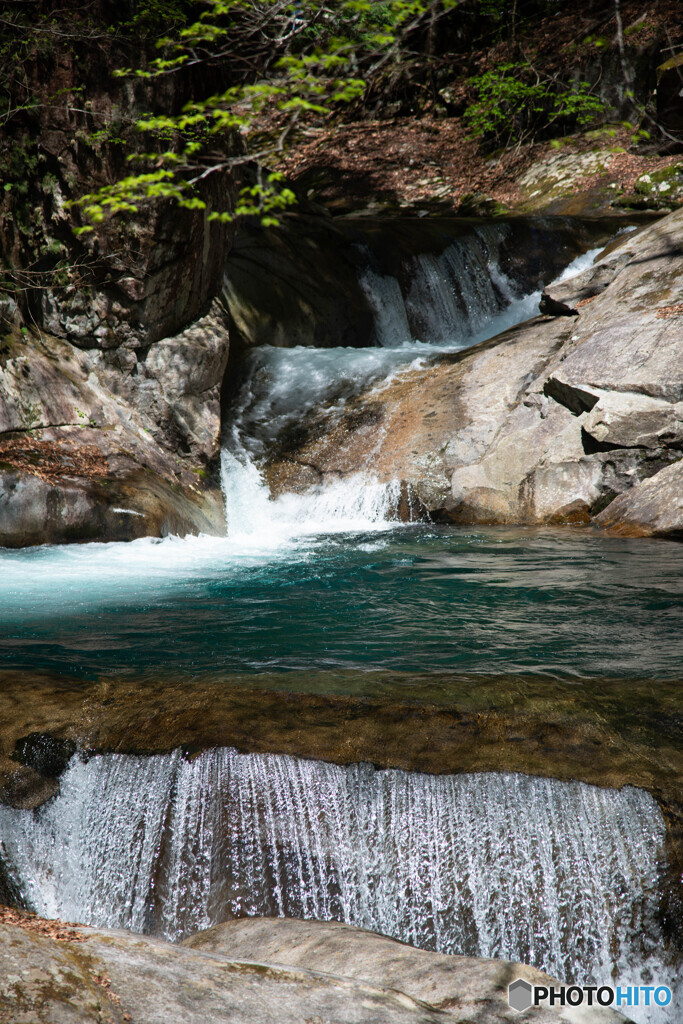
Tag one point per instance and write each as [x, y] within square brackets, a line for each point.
[106, 400]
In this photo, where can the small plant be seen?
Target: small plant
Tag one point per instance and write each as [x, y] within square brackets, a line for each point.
[514, 103]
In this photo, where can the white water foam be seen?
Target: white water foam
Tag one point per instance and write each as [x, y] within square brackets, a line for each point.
[558, 874]
[356, 503]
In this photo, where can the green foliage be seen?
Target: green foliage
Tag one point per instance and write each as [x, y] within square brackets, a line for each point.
[156, 15]
[513, 102]
[308, 60]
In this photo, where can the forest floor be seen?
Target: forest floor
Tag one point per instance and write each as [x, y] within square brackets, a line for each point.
[426, 161]
[409, 163]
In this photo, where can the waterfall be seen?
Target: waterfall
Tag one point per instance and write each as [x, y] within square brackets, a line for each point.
[447, 298]
[558, 874]
[458, 298]
[443, 303]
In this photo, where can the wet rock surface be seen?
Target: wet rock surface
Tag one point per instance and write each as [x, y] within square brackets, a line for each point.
[602, 731]
[548, 423]
[96, 975]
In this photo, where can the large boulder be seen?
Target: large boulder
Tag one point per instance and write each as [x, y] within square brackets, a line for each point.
[119, 977]
[547, 423]
[93, 448]
[472, 989]
[60, 974]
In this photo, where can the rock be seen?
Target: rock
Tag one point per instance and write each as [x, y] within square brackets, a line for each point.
[635, 421]
[48, 981]
[548, 423]
[44, 753]
[112, 329]
[554, 181]
[619, 344]
[652, 509]
[258, 971]
[551, 307]
[118, 977]
[115, 497]
[88, 452]
[472, 989]
[10, 896]
[296, 285]
[431, 420]
[23, 787]
[135, 279]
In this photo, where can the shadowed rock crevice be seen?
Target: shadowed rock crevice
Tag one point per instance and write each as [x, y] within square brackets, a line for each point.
[575, 399]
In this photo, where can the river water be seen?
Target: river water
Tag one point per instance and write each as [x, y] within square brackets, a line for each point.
[329, 579]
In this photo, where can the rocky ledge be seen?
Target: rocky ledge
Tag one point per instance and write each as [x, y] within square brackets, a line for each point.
[254, 971]
[559, 420]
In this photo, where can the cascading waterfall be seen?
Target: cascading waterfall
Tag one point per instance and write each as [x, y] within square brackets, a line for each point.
[451, 297]
[558, 874]
[453, 300]
[356, 503]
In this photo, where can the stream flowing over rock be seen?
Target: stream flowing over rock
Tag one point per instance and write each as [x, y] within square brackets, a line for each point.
[547, 423]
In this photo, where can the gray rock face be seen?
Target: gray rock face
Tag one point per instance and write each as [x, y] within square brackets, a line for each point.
[549, 422]
[117, 977]
[653, 508]
[471, 989]
[95, 447]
